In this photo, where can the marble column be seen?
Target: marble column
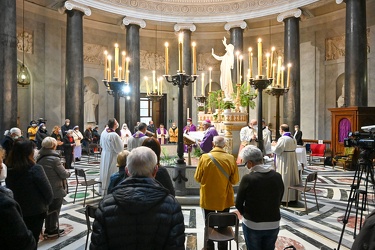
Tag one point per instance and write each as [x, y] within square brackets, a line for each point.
[132, 106]
[355, 53]
[8, 65]
[236, 38]
[292, 100]
[74, 99]
[186, 30]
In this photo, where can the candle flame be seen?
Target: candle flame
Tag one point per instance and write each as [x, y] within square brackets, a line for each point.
[109, 57]
[289, 65]
[268, 54]
[259, 40]
[123, 53]
[250, 49]
[210, 68]
[282, 68]
[166, 44]
[273, 49]
[128, 59]
[146, 78]
[180, 37]
[105, 52]
[237, 53]
[194, 44]
[116, 45]
[241, 57]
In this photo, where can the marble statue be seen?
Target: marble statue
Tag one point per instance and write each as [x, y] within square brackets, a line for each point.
[226, 66]
[341, 99]
[91, 100]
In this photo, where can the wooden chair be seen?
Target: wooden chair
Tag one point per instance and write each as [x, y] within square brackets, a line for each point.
[317, 150]
[81, 173]
[346, 159]
[97, 150]
[89, 213]
[310, 179]
[219, 228]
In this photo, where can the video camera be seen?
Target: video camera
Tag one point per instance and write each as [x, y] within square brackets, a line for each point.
[364, 140]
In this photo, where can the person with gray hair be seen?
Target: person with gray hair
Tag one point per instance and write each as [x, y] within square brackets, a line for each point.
[11, 136]
[56, 174]
[258, 200]
[138, 137]
[217, 171]
[139, 210]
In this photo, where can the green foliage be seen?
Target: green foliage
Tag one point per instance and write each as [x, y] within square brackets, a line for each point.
[246, 98]
[213, 100]
[196, 152]
[228, 105]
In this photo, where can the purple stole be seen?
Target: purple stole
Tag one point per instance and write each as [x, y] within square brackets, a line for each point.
[162, 138]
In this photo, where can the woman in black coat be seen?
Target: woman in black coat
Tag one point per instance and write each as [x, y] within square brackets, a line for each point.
[29, 184]
[68, 148]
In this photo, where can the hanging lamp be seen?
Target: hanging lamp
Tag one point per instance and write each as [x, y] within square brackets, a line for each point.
[23, 76]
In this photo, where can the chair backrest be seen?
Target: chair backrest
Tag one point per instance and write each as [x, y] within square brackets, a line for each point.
[80, 173]
[318, 149]
[89, 213]
[349, 151]
[312, 177]
[222, 220]
[308, 148]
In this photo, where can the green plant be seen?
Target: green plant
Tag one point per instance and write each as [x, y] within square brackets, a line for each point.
[247, 97]
[228, 105]
[214, 101]
[196, 152]
[200, 108]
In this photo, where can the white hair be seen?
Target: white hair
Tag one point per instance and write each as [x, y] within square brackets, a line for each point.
[252, 153]
[219, 141]
[16, 131]
[141, 162]
[49, 142]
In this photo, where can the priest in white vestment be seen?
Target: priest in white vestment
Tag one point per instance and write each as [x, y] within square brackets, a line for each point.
[111, 145]
[286, 161]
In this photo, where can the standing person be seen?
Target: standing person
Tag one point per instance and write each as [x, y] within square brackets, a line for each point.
[189, 126]
[87, 138]
[77, 136]
[95, 134]
[56, 174]
[41, 134]
[150, 128]
[260, 212]
[209, 133]
[136, 127]
[137, 139]
[139, 210]
[267, 139]
[298, 135]
[30, 185]
[69, 145]
[56, 133]
[286, 161]
[173, 133]
[111, 145]
[248, 136]
[162, 134]
[32, 130]
[125, 134]
[216, 172]
[65, 127]
[8, 141]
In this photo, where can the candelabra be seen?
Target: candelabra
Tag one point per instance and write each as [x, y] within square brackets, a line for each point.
[180, 80]
[155, 97]
[277, 91]
[117, 89]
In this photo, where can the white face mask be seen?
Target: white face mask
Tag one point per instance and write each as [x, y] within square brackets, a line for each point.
[44, 128]
[33, 125]
[16, 137]
[255, 127]
[188, 123]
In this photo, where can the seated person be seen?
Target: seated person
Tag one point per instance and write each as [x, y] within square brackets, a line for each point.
[116, 178]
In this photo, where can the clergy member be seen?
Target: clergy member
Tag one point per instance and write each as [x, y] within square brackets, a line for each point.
[162, 134]
[209, 133]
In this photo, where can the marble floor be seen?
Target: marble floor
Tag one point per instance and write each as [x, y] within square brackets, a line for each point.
[315, 230]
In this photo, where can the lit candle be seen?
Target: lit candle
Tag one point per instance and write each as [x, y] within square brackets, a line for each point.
[188, 112]
[158, 91]
[194, 58]
[105, 64]
[282, 76]
[147, 87]
[251, 65]
[210, 80]
[268, 65]
[161, 85]
[278, 70]
[123, 65]
[180, 43]
[116, 60]
[120, 71]
[195, 87]
[288, 76]
[248, 81]
[127, 69]
[240, 76]
[260, 59]
[166, 58]
[109, 68]
[250, 50]
[153, 81]
[272, 54]
[238, 66]
[202, 84]
[273, 73]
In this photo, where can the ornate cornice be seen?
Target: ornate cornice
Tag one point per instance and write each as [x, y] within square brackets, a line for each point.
[70, 5]
[229, 25]
[129, 20]
[185, 26]
[290, 13]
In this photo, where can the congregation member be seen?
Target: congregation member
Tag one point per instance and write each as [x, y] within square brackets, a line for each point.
[162, 134]
[216, 172]
[139, 213]
[125, 134]
[3, 167]
[111, 145]
[10, 137]
[65, 127]
[150, 128]
[173, 134]
[248, 136]
[189, 126]
[136, 127]
[286, 161]
[137, 139]
[162, 174]
[77, 136]
[29, 184]
[49, 159]
[41, 134]
[95, 134]
[298, 135]
[32, 130]
[260, 212]
[87, 138]
[209, 134]
[267, 139]
[68, 146]
[56, 133]
[119, 176]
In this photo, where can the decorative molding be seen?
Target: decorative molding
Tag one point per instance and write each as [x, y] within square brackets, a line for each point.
[339, 1]
[290, 13]
[93, 53]
[150, 60]
[130, 20]
[29, 42]
[70, 5]
[185, 26]
[229, 25]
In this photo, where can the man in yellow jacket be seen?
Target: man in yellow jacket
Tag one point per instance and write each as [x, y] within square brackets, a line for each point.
[217, 171]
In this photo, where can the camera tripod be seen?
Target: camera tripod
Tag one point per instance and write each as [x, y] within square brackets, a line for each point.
[363, 177]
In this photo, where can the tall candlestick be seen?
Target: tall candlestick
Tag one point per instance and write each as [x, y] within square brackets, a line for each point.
[123, 65]
[116, 61]
[105, 64]
[260, 59]
[195, 87]
[188, 112]
[158, 92]
[288, 76]
[161, 85]
[194, 58]
[278, 70]
[238, 66]
[127, 69]
[210, 79]
[240, 76]
[251, 65]
[203, 84]
[248, 81]
[250, 50]
[166, 58]
[147, 87]
[272, 54]
[109, 68]
[268, 65]
[273, 73]
[153, 81]
[180, 59]
[282, 76]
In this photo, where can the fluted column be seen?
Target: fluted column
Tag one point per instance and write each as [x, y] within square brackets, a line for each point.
[74, 99]
[8, 65]
[186, 29]
[292, 100]
[236, 39]
[132, 113]
[355, 53]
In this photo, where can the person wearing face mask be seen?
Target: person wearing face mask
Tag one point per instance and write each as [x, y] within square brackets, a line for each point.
[173, 133]
[56, 133]
[11, 136]
[298, 135]
[111, 145]
[248, 136]
[66, 127]
[125, 134]
[189, 126]
[162, 134]
[41, 134]
[32, 130]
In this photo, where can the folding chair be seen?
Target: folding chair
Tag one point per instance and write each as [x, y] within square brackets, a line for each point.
[89, 213]
[81, 173]
[312, 177]
[219, 228]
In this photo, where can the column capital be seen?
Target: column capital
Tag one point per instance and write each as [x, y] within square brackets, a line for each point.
[339, 1]
[290, 13]
[185, 26]
[229, 25]
[70, 5]
[130, 20]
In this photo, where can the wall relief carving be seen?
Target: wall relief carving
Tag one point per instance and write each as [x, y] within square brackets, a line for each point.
[206, 60]
[151, 60]
[28, 38]
[93, 53]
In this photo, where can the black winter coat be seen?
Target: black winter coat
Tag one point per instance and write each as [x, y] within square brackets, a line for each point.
[139, 214]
